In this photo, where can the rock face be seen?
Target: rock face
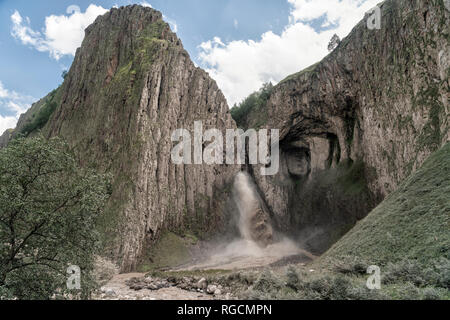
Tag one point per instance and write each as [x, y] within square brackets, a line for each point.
[130, 87]
[34, 119]
[360, 121]
[6, 137]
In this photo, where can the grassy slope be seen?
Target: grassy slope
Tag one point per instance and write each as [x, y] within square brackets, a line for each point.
[407, 236]
[412, 223]
[169, 251]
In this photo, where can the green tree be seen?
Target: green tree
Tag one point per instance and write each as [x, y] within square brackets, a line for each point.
[254, 102]
[40, 119]
[48, 208]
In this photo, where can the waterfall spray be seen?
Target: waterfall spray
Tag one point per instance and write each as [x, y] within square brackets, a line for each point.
[247, 203]
[255, 246]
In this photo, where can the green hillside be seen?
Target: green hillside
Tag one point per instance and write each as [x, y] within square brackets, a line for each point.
[407, 236]
[412, 223]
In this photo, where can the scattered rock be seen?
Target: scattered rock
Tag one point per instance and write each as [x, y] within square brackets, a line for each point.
[137, 287]
[110, 293]
[147, 283]
[152, 286]
[107, 292]
[104, 270]
[186, 283]
[202, 284]
[211, 289]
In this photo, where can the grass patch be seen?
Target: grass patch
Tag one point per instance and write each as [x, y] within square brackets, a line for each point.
[412, 223]
[169, 251]
[404, 281]
[298, 284]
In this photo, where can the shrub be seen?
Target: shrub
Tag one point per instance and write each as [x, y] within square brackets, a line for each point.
[255, 101]
[293, 280]
[406, 291]
[330, 288]
[431, 293]
[267, 282]
[443, 271]
[437, 274]
[334, 42]
[403, 280]
[361, 292]
[42, 116]
[404, 271]
[40, 119]
[352, 268]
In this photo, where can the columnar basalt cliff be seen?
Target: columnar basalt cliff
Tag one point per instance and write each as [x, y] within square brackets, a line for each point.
[359, 122]
[130, 86]
[352, 127]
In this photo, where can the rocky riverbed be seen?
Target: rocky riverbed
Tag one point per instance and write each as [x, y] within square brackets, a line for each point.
[138, 286]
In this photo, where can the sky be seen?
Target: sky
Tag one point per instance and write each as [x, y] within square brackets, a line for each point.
[241, 43]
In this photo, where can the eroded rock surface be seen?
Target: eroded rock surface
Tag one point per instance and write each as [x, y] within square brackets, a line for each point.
[360, 121]
[130, 87]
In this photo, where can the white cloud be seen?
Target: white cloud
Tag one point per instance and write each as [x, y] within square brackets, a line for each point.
[172, 23]
[12, 103]
[146, 4]
[236, 23]
[7, 123]
[241, 67]
[62, 34]
[344, 13]
[3, 91]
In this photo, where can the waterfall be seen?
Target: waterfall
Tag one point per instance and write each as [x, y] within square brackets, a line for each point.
[255, 246]
[254, 221]
[247, 202]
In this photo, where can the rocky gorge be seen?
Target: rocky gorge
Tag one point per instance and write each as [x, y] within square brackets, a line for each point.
[353, 128]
